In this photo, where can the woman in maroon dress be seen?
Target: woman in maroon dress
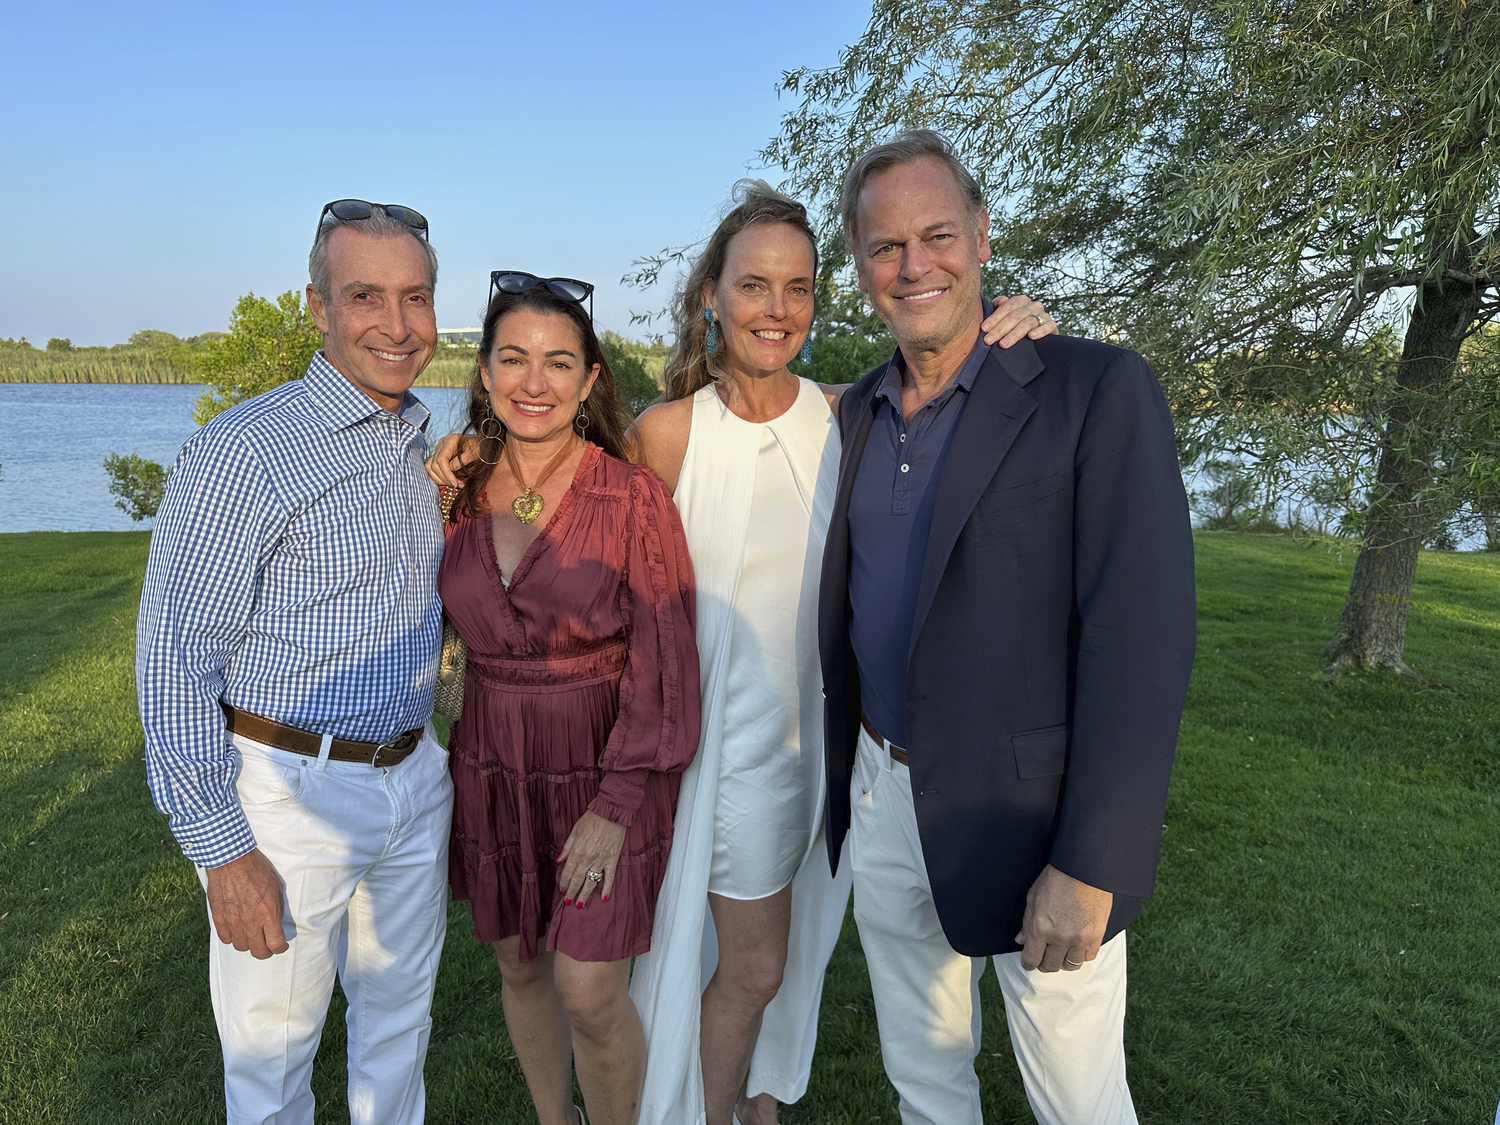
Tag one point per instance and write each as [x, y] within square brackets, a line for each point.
[567, 576]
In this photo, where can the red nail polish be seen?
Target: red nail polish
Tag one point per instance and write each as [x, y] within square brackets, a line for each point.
[567, 902]
[604, 898]
[580, 904]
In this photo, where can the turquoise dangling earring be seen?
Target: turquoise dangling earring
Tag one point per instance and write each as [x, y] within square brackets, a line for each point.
[711, 342]
[805, 355]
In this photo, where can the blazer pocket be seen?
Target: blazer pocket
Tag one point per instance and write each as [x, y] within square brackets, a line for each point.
[1017, 494]
[1040, 753]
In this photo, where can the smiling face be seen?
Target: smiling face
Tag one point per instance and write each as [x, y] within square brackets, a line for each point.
[378, 326]
[536, 374]
[918, 254]
[763, 299]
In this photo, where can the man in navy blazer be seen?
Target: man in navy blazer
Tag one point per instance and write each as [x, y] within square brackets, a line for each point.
[1007, 628]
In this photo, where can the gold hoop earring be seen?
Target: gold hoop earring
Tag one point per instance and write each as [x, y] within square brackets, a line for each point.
[486, 436]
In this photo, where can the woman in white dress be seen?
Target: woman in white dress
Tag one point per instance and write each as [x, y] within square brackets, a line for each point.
[750, 453]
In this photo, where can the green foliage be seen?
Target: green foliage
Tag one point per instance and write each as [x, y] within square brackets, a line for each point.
[633, 384]
[1249, 193]
[847, 337]
[1232, 502]
[136, 484]
[133, 362]
[452, 366]
[267, 344]
[59, 344]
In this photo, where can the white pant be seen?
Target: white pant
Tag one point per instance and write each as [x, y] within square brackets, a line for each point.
[363, 857]
[1067, 1028]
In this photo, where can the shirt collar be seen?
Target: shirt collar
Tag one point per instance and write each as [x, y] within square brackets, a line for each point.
[345, 404]
[890, 383]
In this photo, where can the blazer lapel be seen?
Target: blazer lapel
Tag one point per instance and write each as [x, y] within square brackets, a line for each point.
[833, 601]
[998, 407]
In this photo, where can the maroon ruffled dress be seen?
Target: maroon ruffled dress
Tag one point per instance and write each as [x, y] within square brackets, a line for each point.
[581, 693]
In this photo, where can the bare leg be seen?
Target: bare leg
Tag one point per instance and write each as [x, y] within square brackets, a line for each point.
[609, 1045]
[752, 956]
[538, 1027]
[759, 1110]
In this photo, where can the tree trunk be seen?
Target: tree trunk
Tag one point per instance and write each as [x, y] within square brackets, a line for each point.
[1372, 628]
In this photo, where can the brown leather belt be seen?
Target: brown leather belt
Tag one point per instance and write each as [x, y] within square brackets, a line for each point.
[897, 754]
[268, 732]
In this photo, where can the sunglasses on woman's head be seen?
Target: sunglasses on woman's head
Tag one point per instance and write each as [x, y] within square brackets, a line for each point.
[516, 282]
[353, 210]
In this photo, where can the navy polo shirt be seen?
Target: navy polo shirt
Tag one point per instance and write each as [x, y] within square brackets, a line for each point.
[890, 516]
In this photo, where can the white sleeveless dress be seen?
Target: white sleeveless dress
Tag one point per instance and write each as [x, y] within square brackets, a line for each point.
[755, 500]
[769, 788]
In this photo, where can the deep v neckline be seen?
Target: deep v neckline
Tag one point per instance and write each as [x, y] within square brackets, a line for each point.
[528, 556]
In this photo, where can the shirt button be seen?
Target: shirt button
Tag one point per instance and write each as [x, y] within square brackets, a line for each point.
[904, 468]
[903, 437]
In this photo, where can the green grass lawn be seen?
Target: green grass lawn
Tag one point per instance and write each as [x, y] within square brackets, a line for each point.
[1319, 948]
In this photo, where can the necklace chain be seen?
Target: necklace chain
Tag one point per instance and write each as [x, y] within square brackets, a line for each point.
[527, 506]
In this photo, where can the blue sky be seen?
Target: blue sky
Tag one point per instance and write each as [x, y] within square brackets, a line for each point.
[158, 160]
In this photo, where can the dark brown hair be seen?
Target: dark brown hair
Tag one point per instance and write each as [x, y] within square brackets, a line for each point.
[608, 419]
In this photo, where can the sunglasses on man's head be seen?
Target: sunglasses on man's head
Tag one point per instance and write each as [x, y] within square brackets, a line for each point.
[353, 210]
[516, 282]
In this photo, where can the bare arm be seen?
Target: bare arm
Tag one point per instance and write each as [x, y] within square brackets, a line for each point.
[661, 438]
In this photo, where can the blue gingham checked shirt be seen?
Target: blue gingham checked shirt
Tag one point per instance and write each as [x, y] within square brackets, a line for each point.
[293, 573]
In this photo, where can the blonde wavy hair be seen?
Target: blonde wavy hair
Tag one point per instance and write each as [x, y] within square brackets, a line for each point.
[689, 367]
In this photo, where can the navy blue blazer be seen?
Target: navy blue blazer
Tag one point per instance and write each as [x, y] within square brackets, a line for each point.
[1053, 638]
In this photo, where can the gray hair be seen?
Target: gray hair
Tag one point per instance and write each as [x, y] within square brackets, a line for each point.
[904, 148]
[379, 224]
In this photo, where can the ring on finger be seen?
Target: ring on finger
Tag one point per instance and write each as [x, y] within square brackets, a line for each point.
[1040, 320]
[595, 876]
[1069, 961]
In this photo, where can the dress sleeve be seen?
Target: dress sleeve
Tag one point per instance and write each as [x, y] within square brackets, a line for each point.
[657, 727]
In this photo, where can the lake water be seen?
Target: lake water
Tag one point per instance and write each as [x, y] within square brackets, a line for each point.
[54, 438]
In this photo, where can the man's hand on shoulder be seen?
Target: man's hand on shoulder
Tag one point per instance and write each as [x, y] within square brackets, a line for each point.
[245, 899]
[1064, 923]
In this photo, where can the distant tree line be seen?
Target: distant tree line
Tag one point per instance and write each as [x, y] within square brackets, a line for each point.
[149, 356]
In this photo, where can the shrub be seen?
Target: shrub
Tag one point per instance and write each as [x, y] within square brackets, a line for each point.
[136, 484]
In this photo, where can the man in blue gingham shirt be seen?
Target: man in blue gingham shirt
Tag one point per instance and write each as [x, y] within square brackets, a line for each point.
[293, 574]
[292, 583]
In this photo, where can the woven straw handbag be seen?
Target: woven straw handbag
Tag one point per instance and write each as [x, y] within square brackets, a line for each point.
[448, 698]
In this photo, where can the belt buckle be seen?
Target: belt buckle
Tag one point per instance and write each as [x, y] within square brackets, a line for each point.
[388, 744]
[375, 757]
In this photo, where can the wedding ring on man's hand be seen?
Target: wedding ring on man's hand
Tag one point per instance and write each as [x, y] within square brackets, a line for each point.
[1069, 961]
[595, 876]
[1039, 322]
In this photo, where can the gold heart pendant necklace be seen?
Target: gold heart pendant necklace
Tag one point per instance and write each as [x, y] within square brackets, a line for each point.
[527, 506]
